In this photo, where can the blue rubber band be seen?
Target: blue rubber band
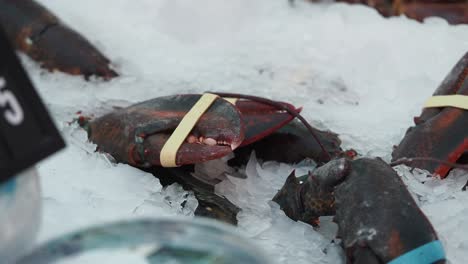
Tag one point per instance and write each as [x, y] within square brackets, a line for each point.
[8, 188]
[425, 254]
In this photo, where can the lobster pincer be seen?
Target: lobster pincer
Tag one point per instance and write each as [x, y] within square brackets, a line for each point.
[141, 135]
[378, 220]
[308, 197]
[440, 131]
[38, 33]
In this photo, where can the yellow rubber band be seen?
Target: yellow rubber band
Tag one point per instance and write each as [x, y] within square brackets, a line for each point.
[232, 100]
[172, 145]
[457, 100]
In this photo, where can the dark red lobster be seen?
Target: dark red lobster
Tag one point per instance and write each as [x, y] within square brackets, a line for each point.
[439, 134]
[454, 11]
[136, 135]
[38, 33]
[378, 220]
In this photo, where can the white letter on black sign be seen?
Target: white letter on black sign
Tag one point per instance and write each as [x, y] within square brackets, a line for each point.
[14, 114]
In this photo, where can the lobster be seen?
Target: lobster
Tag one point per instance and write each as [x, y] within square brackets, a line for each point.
[454, 11]
[38, 33]
[137, 135]
[378, 220]
[439, 137]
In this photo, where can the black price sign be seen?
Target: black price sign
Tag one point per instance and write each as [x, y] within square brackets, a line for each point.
[27, 133]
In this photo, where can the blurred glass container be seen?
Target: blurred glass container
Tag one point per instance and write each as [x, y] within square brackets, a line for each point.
[20, 212]
[161, 241]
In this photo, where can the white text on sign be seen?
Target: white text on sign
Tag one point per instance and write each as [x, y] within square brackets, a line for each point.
[12, 110]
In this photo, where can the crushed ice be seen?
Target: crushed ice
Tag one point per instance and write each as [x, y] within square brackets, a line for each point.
[354, 72]
[264, 221]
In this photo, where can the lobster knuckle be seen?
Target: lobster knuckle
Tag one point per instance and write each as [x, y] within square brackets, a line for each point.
[38, 33]
[440, 133]
[332, 173]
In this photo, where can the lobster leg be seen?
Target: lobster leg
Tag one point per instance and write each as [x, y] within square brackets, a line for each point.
[35, 31]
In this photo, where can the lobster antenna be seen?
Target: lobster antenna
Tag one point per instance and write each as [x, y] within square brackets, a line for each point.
[409, 161]
[280, 107]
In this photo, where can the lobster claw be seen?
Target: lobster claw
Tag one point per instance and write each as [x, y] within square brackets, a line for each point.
[261, 119]
[137, 134]
[35, 31]
[310, 196]
[440, 133]
[378, 219]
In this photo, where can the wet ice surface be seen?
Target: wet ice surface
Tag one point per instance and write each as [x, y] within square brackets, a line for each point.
[263, 220]
[445, 204]
[354, 72]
